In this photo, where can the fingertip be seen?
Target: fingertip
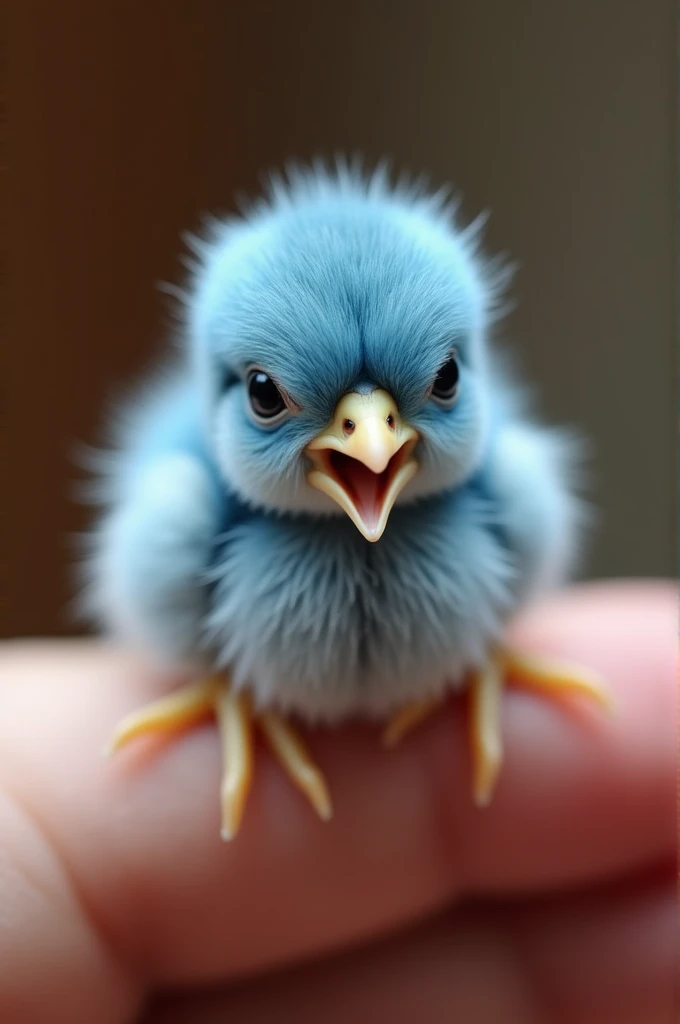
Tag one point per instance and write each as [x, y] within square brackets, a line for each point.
[580, 794]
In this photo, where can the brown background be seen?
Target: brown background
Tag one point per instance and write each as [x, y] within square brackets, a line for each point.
[128, 119]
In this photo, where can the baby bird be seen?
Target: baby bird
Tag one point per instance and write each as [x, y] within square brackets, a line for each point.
[331, 505]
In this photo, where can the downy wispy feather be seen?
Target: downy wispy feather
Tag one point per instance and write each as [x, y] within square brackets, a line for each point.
[214, 548]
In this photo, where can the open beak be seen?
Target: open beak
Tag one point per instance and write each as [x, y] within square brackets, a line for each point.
[364, 458]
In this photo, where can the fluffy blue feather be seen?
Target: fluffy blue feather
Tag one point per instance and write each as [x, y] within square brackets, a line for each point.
[214, 548]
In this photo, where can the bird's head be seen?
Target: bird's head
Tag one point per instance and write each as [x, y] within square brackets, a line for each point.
[338, 337]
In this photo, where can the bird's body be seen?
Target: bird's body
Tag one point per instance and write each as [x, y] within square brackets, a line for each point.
[337, 361]
[301, 608]
[323, 624]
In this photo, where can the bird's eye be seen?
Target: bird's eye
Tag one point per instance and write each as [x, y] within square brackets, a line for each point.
[447, 384]
[267, 404]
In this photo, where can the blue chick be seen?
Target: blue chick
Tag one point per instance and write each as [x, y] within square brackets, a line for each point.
[332, 503]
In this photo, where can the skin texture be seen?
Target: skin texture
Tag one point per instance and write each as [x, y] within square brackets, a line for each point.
[555, 905]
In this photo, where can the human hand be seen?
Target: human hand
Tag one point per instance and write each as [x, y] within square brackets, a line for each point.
[555, 905]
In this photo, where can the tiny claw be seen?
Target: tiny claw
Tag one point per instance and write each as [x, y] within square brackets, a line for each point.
[541, 673]
[233, 806]
[171, 713]
[235, 723]
[406, 719]
[485, 730]
[486, 775]
[314, 786]
[295, 759]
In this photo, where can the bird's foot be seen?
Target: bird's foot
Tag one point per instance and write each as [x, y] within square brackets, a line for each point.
[505, 667]
[236, 720]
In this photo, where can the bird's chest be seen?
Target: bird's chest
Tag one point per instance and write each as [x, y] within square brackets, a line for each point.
[316, 620]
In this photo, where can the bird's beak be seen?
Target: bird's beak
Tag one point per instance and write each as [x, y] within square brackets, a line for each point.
[364, 458]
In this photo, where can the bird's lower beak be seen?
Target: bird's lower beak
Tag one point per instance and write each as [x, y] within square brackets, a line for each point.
[364, 459]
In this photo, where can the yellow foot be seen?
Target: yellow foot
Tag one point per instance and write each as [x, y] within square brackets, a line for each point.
[236, 720]
[486, 693]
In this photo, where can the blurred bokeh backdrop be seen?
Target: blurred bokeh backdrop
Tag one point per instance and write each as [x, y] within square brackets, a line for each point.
[128, 120]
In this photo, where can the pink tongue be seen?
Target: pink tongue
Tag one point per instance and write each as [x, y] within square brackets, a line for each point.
[365, 487]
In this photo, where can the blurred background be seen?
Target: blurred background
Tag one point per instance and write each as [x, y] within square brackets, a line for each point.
[128, 120]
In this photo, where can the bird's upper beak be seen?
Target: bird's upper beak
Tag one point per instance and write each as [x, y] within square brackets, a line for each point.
[363, 459]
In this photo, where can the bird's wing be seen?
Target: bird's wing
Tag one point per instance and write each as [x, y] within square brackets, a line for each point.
[164, 509]
[531, 474]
